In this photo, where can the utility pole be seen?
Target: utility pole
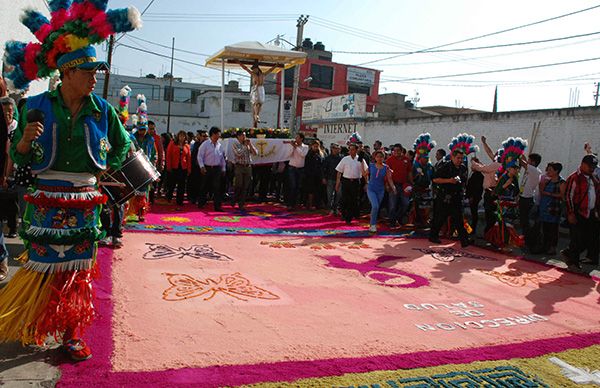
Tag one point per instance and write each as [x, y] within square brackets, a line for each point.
[171, 91]
[300, 25]
[597, 93]
[111, 44]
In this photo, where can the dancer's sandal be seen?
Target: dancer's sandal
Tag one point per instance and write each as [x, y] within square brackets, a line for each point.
[77, 350]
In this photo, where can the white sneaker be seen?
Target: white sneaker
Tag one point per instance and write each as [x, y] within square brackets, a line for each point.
[373, 229]
[106, 241]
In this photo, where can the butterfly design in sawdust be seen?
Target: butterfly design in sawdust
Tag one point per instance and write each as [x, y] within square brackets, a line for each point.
[235, 285]
[517, 278]
[204, 251]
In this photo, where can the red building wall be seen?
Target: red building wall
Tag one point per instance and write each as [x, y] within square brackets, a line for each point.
[340, 84]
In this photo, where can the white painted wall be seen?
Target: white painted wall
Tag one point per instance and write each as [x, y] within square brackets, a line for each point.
[187, 117]
[12, 29]
[561, 137]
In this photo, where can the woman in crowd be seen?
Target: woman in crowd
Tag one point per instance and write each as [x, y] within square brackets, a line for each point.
[313, 174]
[552, 190]
[378, 174]
[179, 166]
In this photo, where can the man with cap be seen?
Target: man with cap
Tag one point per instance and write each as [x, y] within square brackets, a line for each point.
[70, 136]
[583, 207]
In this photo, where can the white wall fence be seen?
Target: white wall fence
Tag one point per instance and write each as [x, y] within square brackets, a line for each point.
[561, 135]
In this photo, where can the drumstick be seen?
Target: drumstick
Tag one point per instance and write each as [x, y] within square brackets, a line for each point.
[115, 184]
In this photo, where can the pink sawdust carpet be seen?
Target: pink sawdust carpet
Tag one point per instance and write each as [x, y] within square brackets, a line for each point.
[225, 311]
[267, 216]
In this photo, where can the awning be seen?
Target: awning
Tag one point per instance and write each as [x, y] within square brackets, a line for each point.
[247, 52]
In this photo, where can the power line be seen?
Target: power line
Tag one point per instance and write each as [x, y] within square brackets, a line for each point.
[142, 14]
[216, 18]
[530, 42]
[267, 81]
[482, 83]
[497, 71]
[489, 56]
[492, 33]
[371, 37]
[165, 46]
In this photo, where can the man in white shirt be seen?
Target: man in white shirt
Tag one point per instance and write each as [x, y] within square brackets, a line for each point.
[529, 184]
[211, 160]
[350, 171]
[295, 169]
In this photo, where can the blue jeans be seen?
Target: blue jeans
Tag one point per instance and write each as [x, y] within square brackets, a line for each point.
[333, 197]
[375, 197]
[397, 204]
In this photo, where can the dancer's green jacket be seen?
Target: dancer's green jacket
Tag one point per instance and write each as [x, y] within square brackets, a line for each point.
[72, 154]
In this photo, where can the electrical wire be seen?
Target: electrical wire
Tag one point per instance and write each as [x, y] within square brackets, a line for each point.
[498, 70]
[142, 14]
[530, 42]
[267, 81]
[493, 33]
[168, 47]
[489, 56]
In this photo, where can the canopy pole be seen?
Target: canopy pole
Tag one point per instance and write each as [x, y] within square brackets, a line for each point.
[282, 99]
[222, 94]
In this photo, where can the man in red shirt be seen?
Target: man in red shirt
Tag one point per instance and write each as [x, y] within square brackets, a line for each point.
[401, 167]
[583, 213]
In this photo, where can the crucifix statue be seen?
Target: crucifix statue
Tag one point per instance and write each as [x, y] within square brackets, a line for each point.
[257, 89]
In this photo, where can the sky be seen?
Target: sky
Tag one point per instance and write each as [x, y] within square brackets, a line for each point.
[201, 28]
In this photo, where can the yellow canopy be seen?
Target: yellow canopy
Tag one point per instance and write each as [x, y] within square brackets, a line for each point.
[248, 52]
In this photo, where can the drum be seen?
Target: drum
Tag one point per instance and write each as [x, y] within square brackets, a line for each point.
[135, 174]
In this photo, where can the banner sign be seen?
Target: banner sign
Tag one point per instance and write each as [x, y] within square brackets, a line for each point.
[361, 77]
[269, 150]
[347, 106]
[338, 133]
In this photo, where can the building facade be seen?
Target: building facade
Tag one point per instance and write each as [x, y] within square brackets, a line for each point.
[556, 134]
[320, 77]
[193, 106]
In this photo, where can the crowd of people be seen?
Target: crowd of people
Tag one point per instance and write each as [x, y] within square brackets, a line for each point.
[57, 146]
[398, 186]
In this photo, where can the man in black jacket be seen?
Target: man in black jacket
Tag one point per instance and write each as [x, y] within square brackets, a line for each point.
[450, 177]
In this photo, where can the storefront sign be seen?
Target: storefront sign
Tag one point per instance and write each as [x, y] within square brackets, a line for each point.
[361, 77]
[338, 133]
[347, 106]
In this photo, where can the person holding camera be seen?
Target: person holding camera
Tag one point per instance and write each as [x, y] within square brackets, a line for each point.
[448, 200]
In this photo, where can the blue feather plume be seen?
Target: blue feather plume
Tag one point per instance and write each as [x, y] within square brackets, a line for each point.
[14, 52]
[124, 19]
[56, 5]
[33, 20]
[100, 4]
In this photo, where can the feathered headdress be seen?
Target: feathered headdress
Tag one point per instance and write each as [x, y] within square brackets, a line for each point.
[463, 141]
[511, 152]
[66, 39]
[423, 145]
[142, 112]
[354, 139]
[124, 94]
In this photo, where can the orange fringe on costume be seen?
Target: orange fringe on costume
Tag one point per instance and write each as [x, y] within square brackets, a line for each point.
[35, 305]
[138, 206]
[503, 235]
